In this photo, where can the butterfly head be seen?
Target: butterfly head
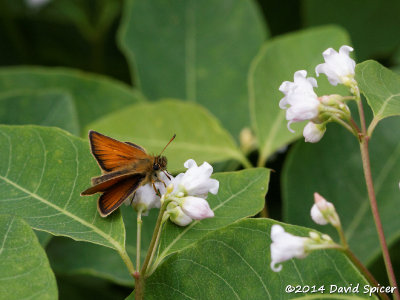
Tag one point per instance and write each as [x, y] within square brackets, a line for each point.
[160, 163]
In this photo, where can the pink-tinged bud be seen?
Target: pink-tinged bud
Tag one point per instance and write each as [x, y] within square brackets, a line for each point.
[324, 212]
[196, 208]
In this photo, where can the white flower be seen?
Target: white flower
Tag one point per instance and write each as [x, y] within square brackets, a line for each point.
[177, 216]
[196, 180]
[313, 133]
[196, 208]
[146, 198]
[324, 212]
[285, 246]
[338, 67]
[300, 97]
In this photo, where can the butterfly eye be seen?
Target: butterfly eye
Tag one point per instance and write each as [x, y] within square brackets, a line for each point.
[156, 167]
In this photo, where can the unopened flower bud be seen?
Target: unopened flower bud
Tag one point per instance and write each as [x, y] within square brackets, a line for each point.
[196, 208]
[313, 133]
[324, 212]
[177, 216]
[247, 140]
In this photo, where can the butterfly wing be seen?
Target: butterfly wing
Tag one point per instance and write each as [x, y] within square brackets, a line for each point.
[116, 194]
[102, 185]
[112, 154]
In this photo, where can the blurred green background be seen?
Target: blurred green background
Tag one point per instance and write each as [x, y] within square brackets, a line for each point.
[82, 34]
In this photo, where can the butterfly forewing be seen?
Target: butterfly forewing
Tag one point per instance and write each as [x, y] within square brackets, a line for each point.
[113, 197]
[112, 154]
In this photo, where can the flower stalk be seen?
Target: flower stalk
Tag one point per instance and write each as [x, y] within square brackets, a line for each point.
[367, 274]
[138, 238]
[364, 141]
[375, 213]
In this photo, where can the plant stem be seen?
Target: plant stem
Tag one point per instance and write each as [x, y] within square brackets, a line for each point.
[154, 240]
[342, 236]
[375, 213]
[264, 212]
[371, 195]
[345, 125]
[139, 286]
[371, 279]
[125, 257]
[138, 238]
[246, 162]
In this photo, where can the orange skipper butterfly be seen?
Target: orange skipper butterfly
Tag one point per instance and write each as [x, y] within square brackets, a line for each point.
[125, 167]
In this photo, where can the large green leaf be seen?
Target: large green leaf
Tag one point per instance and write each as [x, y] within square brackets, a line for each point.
[373, 25]
[94, 95]
[234, 263]
[276, 62]
[39, 107]
[72, 258]
[381, 88]
[198, 134]
[25, 270]
[241, 194]
[194, 50]
[333, 168]
[42, 172]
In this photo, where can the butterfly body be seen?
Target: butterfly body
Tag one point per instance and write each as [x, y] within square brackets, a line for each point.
[125, 167]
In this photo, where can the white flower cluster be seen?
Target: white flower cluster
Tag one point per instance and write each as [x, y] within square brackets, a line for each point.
[302, 103]
[186, 194]
[286, 246]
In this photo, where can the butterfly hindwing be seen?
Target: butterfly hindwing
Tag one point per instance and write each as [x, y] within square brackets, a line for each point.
[112, 154]
[116, 194]
[102, 185]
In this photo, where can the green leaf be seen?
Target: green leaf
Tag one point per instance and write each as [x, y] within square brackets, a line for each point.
[43, 237]
[381, 88]
[333, 168]
[197, 51]
[39, 107]
[94, 95]
[276, 62]
[68, 257]
[241, 194]
[234, 263]
[25, 270]
[151, 125]
[42, 173]
[371, 24]
[72, 258]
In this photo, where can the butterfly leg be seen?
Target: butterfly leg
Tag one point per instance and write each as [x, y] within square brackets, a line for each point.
[156, 190]
[133, 197]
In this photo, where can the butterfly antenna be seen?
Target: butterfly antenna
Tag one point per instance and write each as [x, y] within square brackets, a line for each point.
[168, 143]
